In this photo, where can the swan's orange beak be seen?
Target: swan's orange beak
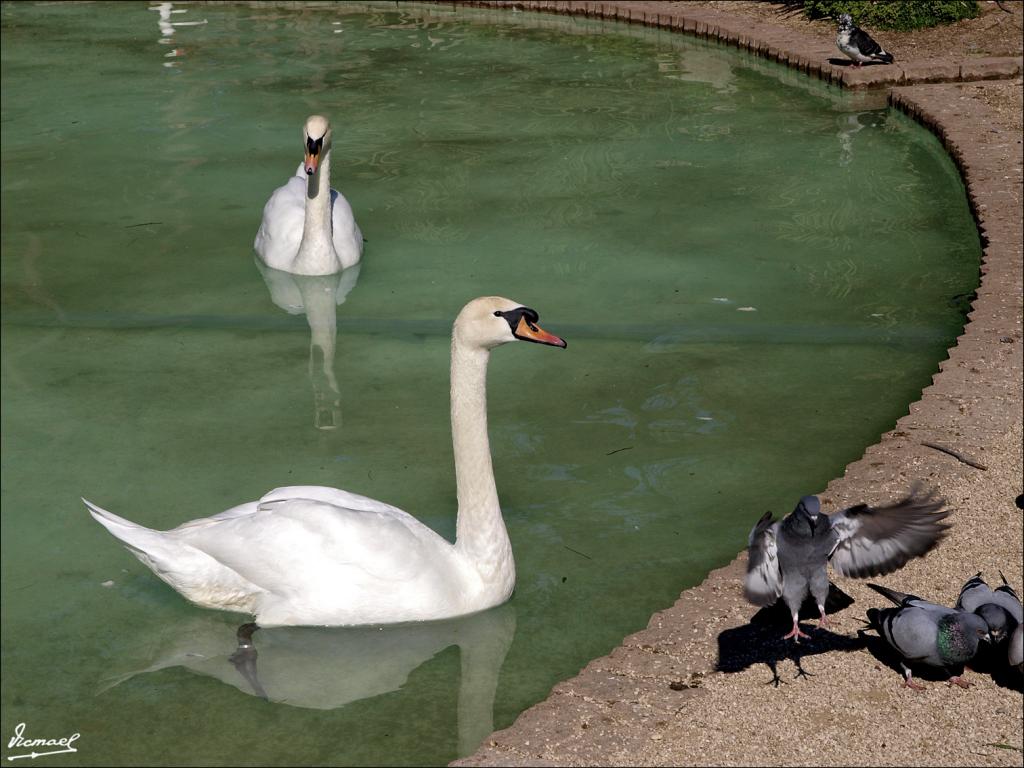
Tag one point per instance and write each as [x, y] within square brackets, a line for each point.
[527, 331]
[312, 162]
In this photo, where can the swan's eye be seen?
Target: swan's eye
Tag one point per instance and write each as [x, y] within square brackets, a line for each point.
[511, 317]
[514, 316]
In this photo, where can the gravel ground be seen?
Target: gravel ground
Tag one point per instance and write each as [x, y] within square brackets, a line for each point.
[1003, 98]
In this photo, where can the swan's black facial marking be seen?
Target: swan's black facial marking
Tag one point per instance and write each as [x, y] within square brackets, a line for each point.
[314, 146]
[514, 316]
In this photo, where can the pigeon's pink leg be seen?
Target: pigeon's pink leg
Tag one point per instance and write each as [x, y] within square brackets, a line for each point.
[795, 633]
[908, 683]
[958, 680]
[824, 623]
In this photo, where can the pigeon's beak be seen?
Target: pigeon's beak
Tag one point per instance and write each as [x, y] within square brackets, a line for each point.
[987, 637]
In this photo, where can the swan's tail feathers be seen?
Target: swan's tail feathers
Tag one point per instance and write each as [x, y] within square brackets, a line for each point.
[108, 519]
[139, 539]
[121, 528]
[191, 572]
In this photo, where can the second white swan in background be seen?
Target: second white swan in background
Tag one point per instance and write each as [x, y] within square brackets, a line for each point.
[308, 228]
[315, 555]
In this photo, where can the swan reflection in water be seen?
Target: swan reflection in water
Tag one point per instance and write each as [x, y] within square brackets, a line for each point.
[167, 29]
[329, 667]
[316, 296]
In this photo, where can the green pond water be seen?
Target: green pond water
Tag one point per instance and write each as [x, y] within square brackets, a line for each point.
[755, 275]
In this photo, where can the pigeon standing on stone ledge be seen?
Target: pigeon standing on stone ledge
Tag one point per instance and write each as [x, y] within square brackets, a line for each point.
[858, 45]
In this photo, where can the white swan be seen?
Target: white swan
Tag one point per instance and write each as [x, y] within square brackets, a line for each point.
[314, 555]
[307, 227]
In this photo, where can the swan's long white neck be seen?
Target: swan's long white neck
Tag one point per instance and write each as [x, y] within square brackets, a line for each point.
[316, 254]
[481, 536]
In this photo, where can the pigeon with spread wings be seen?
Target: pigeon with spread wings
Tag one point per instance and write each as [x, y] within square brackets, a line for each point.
[787, 558]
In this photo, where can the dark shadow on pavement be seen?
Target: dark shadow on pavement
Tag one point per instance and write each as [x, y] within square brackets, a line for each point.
[760, 641]
[849, 63]
[991, 660]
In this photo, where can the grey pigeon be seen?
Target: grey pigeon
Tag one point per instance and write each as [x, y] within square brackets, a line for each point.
[1000, 608]
[858, 45]
[787, 558]
[925, 633]
[1015, 651]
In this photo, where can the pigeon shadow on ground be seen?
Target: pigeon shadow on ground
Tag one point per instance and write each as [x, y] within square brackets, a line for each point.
[760, 641]
[849, 63]
[991, 660]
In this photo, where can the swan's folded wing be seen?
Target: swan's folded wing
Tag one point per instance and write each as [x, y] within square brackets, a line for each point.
[333, 496]
[763, 584]
[240, 511]
[280, 232]
[872, 541]
[301, 547]
[344, 230]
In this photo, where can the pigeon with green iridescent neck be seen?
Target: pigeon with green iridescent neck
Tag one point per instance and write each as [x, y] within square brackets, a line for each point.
[923, 633]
